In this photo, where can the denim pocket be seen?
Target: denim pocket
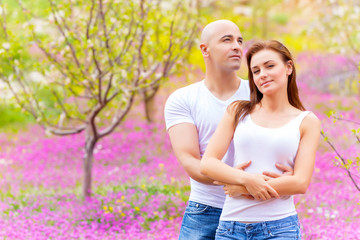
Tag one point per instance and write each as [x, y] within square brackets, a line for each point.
[196, 208]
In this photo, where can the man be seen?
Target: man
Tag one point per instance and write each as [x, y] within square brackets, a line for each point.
[192, 114]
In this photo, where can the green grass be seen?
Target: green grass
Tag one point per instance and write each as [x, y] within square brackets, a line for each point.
[12, 118]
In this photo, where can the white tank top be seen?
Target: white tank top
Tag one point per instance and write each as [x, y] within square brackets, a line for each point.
[264, 147]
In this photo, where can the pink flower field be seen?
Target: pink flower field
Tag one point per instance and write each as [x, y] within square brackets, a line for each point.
[140, 190]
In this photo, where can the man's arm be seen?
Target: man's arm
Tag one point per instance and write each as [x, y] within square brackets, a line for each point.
[185, 143]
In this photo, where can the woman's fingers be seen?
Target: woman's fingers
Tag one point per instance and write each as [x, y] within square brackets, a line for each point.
[273, 192]
[218, 183]
[249, 197]
[260, 189]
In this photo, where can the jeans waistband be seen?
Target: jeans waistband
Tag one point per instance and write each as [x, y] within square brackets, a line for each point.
[259, 226]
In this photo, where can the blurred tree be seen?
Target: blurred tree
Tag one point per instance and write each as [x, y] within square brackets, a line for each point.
[337, 24]
[261, 17]
[89, 58]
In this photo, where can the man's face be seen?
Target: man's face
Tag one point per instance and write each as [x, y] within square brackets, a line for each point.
[225, 47]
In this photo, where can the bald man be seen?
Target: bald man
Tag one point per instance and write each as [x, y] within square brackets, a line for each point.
[192, 114]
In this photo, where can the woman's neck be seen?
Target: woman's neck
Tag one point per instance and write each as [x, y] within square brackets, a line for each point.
[275, 103]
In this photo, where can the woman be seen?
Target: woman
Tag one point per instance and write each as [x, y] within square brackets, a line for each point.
[273, 127]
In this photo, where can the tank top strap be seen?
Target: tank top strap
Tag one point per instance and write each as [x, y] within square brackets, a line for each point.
[298, 120]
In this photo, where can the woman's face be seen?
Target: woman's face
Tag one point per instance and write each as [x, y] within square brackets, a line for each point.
[269, 71]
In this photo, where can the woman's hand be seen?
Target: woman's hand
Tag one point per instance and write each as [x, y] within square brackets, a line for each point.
[233, 190]
[257, 186]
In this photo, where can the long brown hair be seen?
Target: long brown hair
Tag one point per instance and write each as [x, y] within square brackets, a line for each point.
[244, 108]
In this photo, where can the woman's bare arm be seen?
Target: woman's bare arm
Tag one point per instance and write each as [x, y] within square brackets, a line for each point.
[304, 161]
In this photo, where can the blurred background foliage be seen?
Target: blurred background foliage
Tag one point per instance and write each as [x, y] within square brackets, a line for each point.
[323, 35]
[326, 27]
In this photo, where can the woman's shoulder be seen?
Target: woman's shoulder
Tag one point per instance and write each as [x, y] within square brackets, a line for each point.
[312, 117]
[311, 121]
[232, 108]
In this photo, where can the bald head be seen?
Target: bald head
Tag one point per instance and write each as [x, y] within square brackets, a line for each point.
[213, 27]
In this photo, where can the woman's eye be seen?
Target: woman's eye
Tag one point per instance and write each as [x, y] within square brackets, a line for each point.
[256, 72]
[270, 66]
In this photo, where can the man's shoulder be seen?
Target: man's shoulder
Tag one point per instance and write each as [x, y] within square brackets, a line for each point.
[244, 83]
[186, 91]
[190, 87]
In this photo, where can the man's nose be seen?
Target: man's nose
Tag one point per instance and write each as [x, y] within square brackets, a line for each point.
[236, 45]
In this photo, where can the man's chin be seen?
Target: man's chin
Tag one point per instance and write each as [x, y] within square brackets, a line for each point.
[235, 67]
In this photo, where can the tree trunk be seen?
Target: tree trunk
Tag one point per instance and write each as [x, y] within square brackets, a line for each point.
[90, 142]
[150, 108]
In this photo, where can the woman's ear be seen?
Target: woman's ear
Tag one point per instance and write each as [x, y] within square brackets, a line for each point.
[204, 50]
[289, 67]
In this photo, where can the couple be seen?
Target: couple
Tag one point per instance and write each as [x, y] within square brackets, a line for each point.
[259, 126]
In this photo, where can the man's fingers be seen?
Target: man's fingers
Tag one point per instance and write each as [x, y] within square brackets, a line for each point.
[266, 178]
[271, 174]
[243, 165]
[283, 167]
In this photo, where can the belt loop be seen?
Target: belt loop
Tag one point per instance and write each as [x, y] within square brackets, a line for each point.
[265, 229]
[231, 227]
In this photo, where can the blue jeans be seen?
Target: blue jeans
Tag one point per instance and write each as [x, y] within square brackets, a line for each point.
[199, 222]
[286, 228]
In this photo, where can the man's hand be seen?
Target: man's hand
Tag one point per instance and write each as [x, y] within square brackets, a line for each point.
[287, 171]
[243, 165]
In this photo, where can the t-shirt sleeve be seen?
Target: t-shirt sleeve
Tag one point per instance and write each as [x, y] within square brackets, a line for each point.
[177, 110]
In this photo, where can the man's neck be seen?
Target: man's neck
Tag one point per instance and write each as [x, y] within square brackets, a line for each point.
[223, 86]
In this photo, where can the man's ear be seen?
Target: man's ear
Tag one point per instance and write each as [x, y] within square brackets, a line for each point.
[204, 50]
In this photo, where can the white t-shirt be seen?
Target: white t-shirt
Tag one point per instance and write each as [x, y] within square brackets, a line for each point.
[197, 105]
[264, 147]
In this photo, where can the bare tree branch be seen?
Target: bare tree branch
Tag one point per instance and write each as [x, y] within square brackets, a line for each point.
[346, 120]
[118, 117]
[342, 160]
[99, 77]
[72, 49]
[64, 132]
